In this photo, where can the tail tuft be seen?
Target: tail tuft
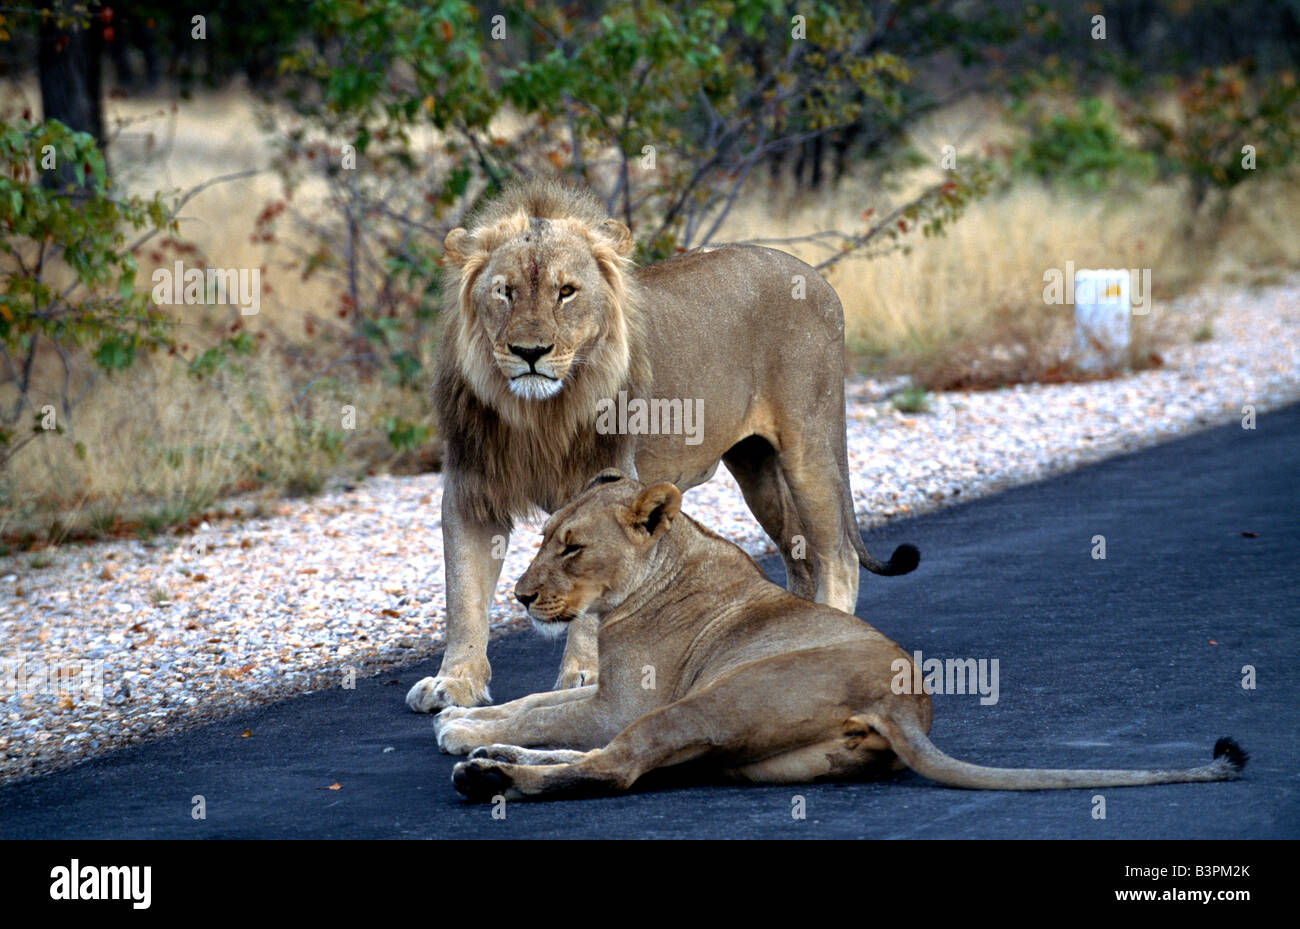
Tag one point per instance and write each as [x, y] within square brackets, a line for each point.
[904, 560]
[1235, 754]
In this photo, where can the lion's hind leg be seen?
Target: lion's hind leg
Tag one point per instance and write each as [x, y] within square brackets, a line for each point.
[753, 463]
[826, 521]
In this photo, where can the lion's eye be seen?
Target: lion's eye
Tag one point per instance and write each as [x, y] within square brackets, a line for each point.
[570, 549]
[567, 291]
[505, 292]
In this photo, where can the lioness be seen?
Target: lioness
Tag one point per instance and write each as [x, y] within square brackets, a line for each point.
[702, 659]
[551, 341]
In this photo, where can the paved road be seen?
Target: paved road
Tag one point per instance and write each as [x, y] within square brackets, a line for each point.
[1131, 661]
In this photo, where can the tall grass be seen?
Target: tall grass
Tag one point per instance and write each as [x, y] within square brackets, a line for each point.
[160, 446]
[967, 309]
[963, 310]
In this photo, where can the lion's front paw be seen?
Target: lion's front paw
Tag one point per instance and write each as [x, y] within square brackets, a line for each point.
[481, 780]
[435, 693]
[571, 677]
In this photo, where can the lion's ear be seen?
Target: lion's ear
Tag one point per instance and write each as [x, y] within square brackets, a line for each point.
[653, 512]
[619, 236]
[458, 246]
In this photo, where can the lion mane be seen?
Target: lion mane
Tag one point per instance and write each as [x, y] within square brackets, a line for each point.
[512, 454]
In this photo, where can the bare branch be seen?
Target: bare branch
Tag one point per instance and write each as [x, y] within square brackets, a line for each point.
[857, 242]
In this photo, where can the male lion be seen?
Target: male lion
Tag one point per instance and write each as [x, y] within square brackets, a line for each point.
[547, 322]
[702, 659]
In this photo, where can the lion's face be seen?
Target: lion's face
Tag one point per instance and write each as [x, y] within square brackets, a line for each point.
[542, 295]
[596, 549]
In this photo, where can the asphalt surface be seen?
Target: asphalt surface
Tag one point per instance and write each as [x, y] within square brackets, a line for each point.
[1131, 661]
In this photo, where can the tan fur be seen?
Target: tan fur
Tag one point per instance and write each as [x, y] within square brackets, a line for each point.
[546, 317]
[703, 660]
[514, 454]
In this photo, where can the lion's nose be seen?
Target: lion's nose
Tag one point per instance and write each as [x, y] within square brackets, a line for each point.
[531, 355]
[525, 599]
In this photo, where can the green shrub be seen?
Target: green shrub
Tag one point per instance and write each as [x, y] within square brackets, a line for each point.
[1081, 147]
[911, 400]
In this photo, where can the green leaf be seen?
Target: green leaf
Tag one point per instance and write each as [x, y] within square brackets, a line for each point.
[115, 353]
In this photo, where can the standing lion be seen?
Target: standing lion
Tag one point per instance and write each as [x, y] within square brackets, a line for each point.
[559, 358]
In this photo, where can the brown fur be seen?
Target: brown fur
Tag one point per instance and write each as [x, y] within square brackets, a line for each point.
[749, 681]
[546, 317]
[516, 454]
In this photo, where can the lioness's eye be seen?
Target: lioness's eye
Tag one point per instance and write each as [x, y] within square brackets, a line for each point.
[570, 549]
[568, 290]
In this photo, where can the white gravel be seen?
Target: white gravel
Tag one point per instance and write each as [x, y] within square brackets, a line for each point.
[244, 612]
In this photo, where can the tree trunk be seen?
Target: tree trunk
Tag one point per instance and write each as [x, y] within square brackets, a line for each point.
[69, 63]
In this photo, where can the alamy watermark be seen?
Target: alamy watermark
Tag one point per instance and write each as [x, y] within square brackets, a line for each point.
[182, 286]
[1059, 288]
[76, 881]
[651, 417]
[60, 677]
[946, 676]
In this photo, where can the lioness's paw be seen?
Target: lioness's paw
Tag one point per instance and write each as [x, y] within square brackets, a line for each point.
[513, 754]
[481, 780]
[457, 736]
[575, 677]
[447, 714]
[435, 693]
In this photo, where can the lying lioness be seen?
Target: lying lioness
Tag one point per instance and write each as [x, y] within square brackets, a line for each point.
[702, 659]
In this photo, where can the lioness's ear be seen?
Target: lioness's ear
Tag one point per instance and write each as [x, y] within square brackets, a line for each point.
[653, 512]
[619, 236]
[458, 246]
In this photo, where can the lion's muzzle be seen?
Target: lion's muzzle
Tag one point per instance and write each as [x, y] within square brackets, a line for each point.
[552, 612]
[531, 354]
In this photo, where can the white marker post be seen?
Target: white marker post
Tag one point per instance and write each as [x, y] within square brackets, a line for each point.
[1101, 319]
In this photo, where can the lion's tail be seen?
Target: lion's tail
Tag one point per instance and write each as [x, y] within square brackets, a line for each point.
[910, 743]
[905, 558]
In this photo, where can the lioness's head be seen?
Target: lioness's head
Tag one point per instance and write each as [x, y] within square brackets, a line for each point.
[542, 293]
[596, 549]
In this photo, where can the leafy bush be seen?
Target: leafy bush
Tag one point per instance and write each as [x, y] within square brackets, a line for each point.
[70, 309]
[1232, 125]
[1081, 147]
[67, 273]
[664, 109]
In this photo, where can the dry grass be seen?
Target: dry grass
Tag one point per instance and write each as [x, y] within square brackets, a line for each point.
[162, 446]
[962, 310]
[967, 309]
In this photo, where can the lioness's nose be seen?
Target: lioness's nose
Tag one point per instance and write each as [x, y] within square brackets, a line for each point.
[525, 599]
[532, 353]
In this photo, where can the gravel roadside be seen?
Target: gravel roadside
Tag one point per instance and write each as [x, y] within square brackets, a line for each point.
[191, 629]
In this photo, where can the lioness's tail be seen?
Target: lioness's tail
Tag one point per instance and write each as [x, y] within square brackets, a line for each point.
[912, 745]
